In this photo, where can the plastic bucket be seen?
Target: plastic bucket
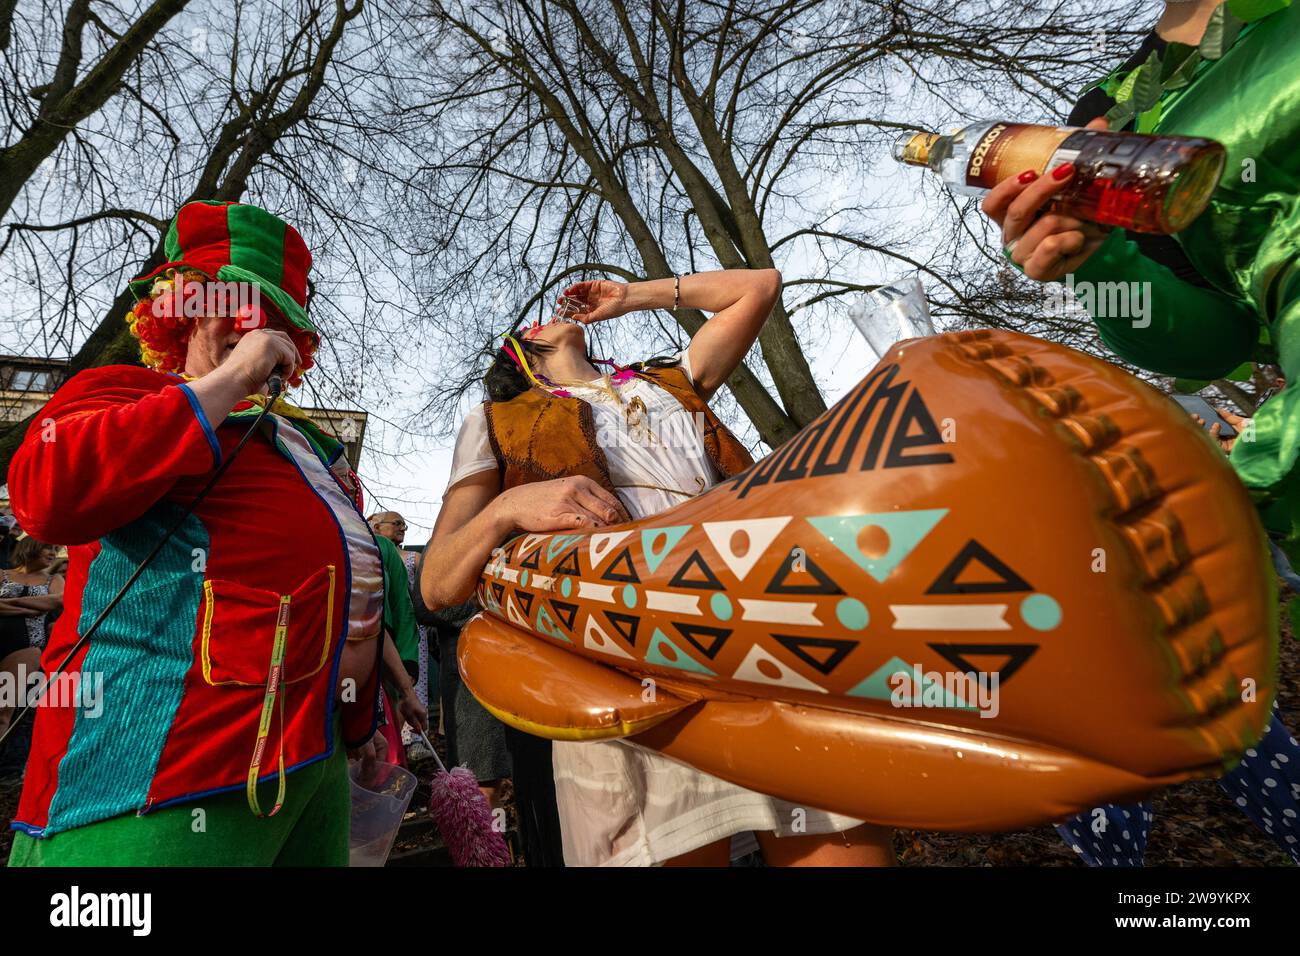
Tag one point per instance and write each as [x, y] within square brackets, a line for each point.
[377, 810]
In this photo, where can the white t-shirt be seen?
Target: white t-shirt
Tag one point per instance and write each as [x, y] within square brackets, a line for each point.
[665, 449]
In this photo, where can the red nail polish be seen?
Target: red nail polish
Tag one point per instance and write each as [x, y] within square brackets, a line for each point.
[1064, 171]
[1028, 176]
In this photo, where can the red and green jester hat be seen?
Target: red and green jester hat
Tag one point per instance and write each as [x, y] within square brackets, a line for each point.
[181, 664]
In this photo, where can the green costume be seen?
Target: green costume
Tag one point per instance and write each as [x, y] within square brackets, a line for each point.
[399, 614]
[311, 829]
[1242, 88]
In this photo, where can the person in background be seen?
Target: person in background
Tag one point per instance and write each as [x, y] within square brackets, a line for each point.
[426, 687]
[9, 532]
[31, 598]
[402, 706]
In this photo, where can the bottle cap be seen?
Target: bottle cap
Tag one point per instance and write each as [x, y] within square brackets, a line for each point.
[914, 147]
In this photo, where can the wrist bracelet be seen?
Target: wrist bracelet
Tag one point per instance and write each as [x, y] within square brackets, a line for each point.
[677, 291]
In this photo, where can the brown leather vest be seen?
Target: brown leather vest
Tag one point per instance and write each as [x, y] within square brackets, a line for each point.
[537, 436]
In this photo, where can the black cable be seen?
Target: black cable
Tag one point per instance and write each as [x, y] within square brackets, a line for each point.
[274, 387]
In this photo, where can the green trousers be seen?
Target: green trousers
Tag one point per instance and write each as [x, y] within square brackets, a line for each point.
[311, 829]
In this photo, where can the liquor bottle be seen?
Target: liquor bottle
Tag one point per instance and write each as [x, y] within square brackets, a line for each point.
[1140, 182]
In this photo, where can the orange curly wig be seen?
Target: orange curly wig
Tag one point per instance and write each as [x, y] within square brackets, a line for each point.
[164, 337]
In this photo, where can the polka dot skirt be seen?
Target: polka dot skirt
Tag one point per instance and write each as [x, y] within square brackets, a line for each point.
[1265, 785]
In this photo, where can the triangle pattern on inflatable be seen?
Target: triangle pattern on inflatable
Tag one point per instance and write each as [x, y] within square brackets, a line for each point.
[823, 654]
[697, 633]
[530, 542]
[621, 568]
[694, 573]
[760, 531]
[877, 686]
[603, 543]
[595, 639]
[667, 538]
[958, 656]
[760, 667]
[975, 554]
[569, 565]
[779, 585]
[559, 543]
[625, 624]
[513, 614]
[567, 613]
[905, 529]
[533, 560]
[665, 653]
[544, 625]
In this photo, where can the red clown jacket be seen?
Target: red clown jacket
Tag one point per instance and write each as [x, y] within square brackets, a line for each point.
[171, 685]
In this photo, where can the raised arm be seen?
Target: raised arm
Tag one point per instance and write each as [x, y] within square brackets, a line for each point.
[114, 440]
[740, 300]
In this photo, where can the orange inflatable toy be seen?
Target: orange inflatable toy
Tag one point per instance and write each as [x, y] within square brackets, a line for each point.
[999, 582]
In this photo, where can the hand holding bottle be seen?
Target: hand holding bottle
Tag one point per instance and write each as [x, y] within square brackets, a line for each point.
[1047, 245]
[1153, 183]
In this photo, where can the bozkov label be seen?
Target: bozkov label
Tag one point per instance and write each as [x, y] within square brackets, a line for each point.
[1008, 149]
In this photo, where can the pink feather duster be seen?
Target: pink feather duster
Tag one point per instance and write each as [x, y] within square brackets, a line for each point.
[464, 818]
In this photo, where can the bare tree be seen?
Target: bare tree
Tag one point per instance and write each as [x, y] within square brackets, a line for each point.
[261, 129]
[569, 138]
[73, 91]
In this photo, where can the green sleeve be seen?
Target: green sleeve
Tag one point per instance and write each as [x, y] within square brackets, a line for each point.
[1185, 330]
[399, 615]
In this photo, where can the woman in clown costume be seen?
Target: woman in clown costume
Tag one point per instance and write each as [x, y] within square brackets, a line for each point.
[1224, 292]
[229, 679]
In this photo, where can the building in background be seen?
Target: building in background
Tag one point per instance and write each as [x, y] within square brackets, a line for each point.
[27, 383]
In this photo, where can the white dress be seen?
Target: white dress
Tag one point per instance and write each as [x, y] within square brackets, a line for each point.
[621, 804]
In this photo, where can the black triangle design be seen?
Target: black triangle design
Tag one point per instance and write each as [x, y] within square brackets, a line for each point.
[696, 633]
[498, 591]
[955, 654]
[825, 586]
[625, 573]
[565, 612]
[509, 553]
[625, 624]
[798, 646]
[533, 560]
[946, 582]
[915, 412]
[569, 565]
[710, 581]
[525, 600]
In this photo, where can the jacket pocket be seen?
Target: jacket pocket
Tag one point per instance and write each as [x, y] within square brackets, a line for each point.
[239, 626]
